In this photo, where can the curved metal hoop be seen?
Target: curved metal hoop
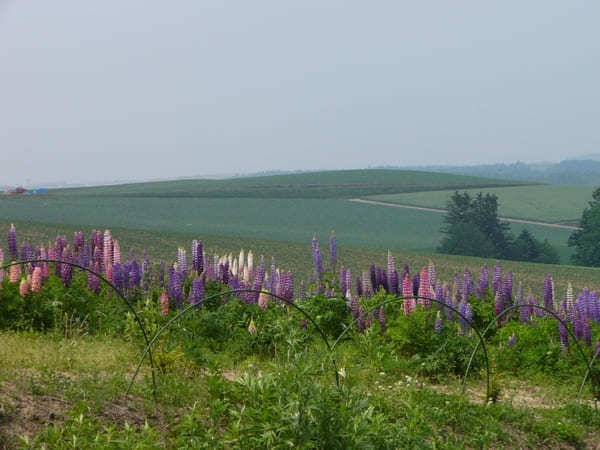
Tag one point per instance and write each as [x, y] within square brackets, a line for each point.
[439, 302]
[494, 322]
[108, 283]
[220, 294]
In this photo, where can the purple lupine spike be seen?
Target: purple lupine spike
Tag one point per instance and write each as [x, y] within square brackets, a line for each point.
[135, 273]
[12, 243]
[333, 251]
[259, 278]
[315, 242]
[587, 332]
[359, 289]
[499, 306]
[287, 289]
[468, 284]
[562, 331]
[548, 292]
[328, 292]
[66, 270]
[93, 281]
[508, 287]
[366, 285]
[78, 242]
[439, 292]
[382, 319]
[483, 283]
[342, 280]
[431, 274]
[578, 326]
[273, 278]
[595, 307]
[512, 340]
[497, 278]
[348, 281]
[197, 256]
[234, 283]
[439, 323]
[405, 271]
[197, 292]
[570, 303]
[118, 279]
[415, 284]
[448, 311]
[372, 276]
[362, 321]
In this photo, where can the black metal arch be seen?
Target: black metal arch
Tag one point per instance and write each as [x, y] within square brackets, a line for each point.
[220, 294]
[108, 283]
[494, 322]
[439, 302]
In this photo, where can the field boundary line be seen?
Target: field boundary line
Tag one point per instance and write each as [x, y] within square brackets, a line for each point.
[444, 211]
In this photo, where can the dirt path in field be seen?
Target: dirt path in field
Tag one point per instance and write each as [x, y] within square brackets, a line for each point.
[443, 211]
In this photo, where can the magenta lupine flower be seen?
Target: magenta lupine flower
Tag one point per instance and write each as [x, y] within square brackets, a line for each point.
[116, 252]
[197, 292]
[12, 243]
[439, 323]
[23, 287]
[36, 280]
[107, 245]
[424, 289]
[164, 303]
[333, 250]
[382, 319]
[14, 273]
[366, 285]
[408, 303]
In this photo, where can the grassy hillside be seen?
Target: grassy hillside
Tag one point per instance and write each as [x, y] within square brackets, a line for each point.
[546, 203]
[327, 184]
[357, 225]
[298, 256]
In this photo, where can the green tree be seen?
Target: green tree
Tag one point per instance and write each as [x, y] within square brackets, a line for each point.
[527, 248]
[472, 227]
[587, 240]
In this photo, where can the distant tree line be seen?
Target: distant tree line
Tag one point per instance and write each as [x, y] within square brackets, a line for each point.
[472, 227]
[587, 240]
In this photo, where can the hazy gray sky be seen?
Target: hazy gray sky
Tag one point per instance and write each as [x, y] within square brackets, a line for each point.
[99, 90]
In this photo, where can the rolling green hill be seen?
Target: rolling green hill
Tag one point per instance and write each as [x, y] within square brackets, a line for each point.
[547, 203]
[328, 184]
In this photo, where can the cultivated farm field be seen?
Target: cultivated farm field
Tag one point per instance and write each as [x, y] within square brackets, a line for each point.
[546, 203]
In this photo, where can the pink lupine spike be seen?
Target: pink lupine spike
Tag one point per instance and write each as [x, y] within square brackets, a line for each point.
[36, 279]
[23, 287]
[15, 273]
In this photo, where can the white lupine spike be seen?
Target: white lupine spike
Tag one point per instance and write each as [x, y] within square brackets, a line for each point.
[242, 260]
[570, 300]
[246, 274]
[250, 262]
[234, 268]
[348, 295]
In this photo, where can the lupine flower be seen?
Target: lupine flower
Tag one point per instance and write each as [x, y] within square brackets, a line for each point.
[23, 287]
[1, 264]
[258, 279]
[499, 305]
[366, 285]
[415, 284]
[508, 287]
[372, 277]
[484, 283]
[107, 249]
[587, 332]
[439, 324]
[382, 319]
[431, 274]
[392, 274]
[252, 328]
[570, 304]
[93, 281]
[66, 274]
[333, 252]
[197, 291]
[578, 326]
[197, 260]
[359, 289]
[408, 302]
[263, 300]
[362, 321]
[342, 280]
[497, 278]
[78, 242]
[164, 303]
[12, 243]
[354, 306]
[449, 312]
[36, 280]
[182, 260]
[424, 289]
[116, 252]
[548, 292]
[512, 340]
[14, 273]
[250, 263]
[562, 331]
[468, 284]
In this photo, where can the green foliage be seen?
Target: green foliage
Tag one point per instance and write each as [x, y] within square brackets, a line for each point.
[331, 314]
[587, 240]
[528, 248]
